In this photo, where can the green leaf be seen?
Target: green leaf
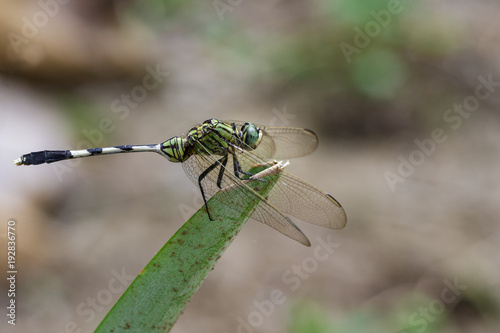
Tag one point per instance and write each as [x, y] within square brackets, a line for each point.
[157, 296]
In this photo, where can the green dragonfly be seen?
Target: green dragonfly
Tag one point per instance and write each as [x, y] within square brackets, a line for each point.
[217, 155]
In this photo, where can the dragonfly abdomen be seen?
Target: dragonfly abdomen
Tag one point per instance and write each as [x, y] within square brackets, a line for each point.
[44, 156]
[176, 149]
[50, 156]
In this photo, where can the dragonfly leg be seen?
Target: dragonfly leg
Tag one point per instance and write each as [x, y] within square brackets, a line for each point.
[238, 170]
[221, 172]
[202, 176]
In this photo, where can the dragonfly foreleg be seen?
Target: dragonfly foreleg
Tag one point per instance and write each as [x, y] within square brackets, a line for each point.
[237, 168]
[276, 168]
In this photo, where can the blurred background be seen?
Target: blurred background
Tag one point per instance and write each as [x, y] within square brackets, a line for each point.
[403, 95]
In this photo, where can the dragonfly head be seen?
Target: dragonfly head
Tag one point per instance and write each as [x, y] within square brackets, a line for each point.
[175, 149]
[251, 135]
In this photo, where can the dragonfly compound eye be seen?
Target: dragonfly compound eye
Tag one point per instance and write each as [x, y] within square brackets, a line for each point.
[251, 135]
[175, 149]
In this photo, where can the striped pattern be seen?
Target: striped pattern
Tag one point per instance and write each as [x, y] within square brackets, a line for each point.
[50, 156]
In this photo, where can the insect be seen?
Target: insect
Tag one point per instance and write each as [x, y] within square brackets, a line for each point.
[217, 155]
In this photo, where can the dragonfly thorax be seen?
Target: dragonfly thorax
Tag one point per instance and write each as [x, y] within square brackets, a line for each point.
[212, 137]
[217, 136]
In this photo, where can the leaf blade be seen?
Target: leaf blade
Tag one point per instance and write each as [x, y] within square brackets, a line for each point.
[157, 296]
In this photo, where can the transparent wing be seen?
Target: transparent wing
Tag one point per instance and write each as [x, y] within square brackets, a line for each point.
[294, 196]
[284, 142]
[238, 193]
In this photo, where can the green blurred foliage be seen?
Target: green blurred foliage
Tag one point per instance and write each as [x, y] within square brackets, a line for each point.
[308, 317]
[377, 76]
[412, 313]
[355, 93]
[360, 68]
[80, 113]
[159, 9]
[354, 12]
[379, 73]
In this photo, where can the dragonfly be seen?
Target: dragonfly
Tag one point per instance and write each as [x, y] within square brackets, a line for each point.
[217, 156]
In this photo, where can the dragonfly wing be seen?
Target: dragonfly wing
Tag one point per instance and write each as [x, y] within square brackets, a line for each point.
[284, 142]
[238, 193]
[268, 214]
[297, 197]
